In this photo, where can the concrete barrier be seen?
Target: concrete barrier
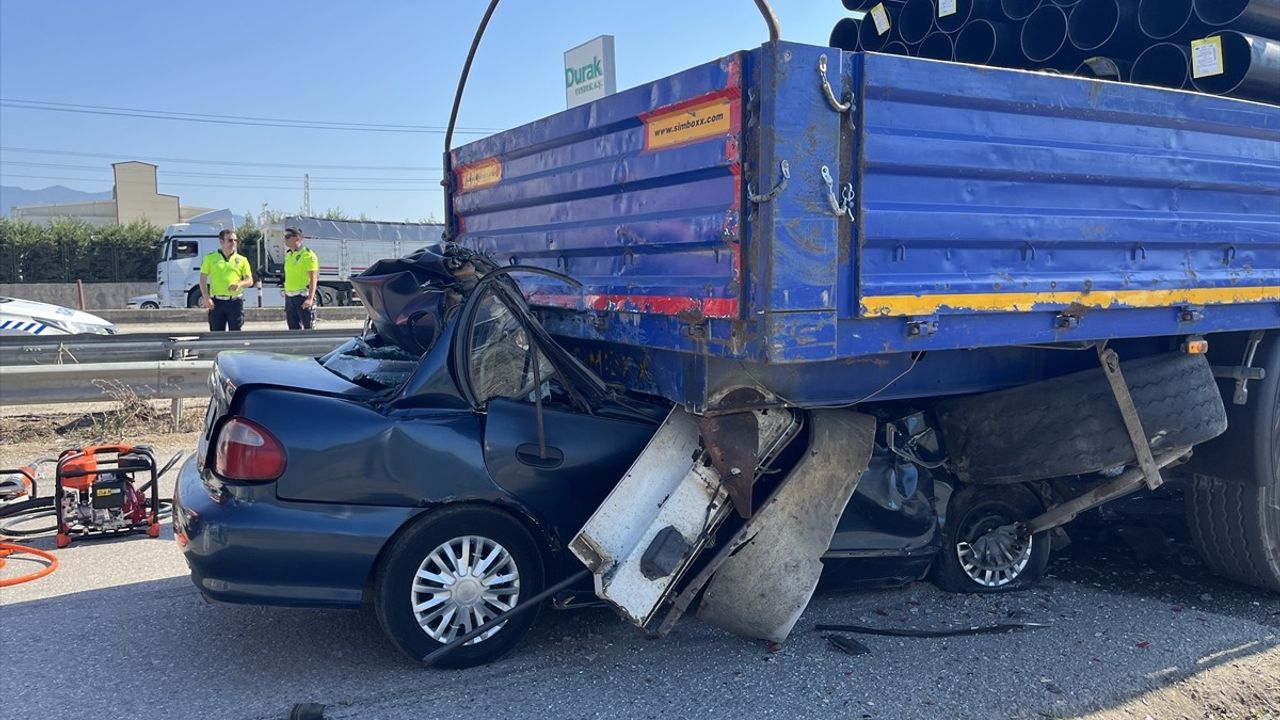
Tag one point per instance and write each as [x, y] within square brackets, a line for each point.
[97, 296]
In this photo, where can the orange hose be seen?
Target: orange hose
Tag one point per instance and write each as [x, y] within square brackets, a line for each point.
[7, 549]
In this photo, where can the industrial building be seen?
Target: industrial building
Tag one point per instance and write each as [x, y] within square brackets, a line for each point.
[135, 196]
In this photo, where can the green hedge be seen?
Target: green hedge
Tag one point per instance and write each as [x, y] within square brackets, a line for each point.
[67, 250]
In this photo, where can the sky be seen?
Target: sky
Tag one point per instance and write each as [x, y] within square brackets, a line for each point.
[111, 67]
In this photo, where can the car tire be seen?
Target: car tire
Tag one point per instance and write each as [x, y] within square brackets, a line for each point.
[1233, 500]
[1071, 425]
[194, 298]
[148, 305]
[430, 555]
[964, 566]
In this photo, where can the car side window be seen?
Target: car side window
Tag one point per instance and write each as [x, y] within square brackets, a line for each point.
[185, 249]
[502, 356]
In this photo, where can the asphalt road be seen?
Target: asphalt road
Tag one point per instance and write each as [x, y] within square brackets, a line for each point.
[119, 631]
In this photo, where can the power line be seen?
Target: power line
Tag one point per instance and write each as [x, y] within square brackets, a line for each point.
[236, 163]
[242, 120]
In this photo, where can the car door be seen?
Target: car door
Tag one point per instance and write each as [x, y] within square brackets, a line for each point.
[542, 443]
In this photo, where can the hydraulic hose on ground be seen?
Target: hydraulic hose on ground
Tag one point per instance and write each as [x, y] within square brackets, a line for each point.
[8, 549]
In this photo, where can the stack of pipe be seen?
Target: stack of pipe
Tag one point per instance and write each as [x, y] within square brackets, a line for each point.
[1221, 47]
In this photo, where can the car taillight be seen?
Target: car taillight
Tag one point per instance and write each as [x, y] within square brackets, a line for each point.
[246, 451]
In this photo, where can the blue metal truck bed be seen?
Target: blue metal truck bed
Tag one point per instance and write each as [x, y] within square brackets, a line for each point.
[968, 208]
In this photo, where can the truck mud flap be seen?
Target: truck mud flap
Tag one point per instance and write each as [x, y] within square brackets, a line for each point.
[767, 580]
[664, 513]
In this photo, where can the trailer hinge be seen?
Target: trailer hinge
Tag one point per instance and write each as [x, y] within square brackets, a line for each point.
[1065, 321]
[922, 326]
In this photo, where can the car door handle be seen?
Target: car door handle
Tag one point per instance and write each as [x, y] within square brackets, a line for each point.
[529, 454]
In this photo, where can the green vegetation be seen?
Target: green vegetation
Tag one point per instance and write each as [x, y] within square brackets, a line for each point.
[67, 250]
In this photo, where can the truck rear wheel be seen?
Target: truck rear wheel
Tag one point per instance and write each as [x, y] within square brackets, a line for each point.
[1071, 425]
[1234, 513]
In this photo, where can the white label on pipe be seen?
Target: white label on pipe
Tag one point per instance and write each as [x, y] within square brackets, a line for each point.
[881, 18]
[947, 8]
[1206, 57]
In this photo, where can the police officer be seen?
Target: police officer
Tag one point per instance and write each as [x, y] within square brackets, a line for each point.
[224, 274]
[301, 274]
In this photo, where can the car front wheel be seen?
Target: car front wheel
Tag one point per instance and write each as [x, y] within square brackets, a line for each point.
[454, 570]
[982, 553]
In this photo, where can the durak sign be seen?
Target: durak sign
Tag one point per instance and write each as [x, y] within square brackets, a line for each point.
[588, 72]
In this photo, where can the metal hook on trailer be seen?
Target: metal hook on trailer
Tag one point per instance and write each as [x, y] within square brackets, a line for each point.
[843, 205]
[837, 105]
[785, 167]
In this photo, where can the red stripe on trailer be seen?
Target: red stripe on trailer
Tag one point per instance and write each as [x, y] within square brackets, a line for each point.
[652, 304]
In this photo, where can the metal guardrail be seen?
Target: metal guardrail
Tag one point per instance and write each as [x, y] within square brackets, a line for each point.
[95, 382]
[198, 315]
[91, 349]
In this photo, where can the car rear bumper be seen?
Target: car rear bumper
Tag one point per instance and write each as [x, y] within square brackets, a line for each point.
[250, 547]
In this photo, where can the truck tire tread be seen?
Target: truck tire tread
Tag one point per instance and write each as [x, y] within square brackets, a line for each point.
[1233, 497]
[1236, 528]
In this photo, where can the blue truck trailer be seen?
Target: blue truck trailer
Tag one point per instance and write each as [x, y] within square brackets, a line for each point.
[794, 313]
[1039, 289]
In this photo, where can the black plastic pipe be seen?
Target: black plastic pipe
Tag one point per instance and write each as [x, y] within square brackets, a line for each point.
[1105, 27]
[1104, 68]
[1019, 9]
[915, 21]
[855, 5]
[869, 38]
[845, 35]
[897, 47]
[937, 45]
[1256, 17]
[1170, 20]
[1163, 64]
[967, 10]
[982, 42]
[1044, 34]
[1251, 68]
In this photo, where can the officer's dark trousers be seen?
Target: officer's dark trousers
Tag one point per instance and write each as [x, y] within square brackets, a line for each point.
[226, 315]
[297, 316]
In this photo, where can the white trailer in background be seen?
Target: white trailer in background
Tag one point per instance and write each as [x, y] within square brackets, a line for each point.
[345, 248]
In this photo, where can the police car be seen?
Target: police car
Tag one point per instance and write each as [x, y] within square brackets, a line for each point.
[25, 317]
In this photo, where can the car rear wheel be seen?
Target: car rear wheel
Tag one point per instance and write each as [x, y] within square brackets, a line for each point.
[454, 570]
[981, 553]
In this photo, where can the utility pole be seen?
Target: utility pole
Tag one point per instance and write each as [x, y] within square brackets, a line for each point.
[306, 194]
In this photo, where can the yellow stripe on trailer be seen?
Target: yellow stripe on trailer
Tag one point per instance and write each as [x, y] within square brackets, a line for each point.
[996, 302]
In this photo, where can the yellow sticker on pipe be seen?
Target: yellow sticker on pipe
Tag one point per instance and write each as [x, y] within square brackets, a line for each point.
[1206, 57]
[880, 16]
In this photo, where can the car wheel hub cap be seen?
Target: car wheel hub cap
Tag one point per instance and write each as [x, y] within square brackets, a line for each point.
[462, 584]
[996, 556]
